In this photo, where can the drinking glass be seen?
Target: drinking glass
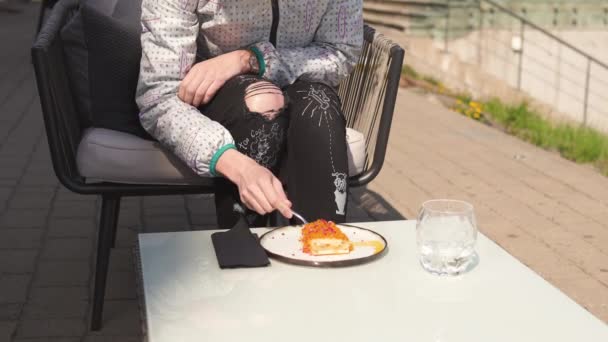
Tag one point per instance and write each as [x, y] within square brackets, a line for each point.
[446, 233]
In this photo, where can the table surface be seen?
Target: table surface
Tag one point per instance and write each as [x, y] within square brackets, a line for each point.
[189, 298]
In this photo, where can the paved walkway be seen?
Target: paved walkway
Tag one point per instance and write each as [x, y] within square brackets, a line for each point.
[549, 213]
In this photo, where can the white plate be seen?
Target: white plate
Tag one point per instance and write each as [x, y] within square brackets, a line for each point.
[284, 244]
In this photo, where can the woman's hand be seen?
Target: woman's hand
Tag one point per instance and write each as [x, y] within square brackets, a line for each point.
[259, 189]
[205, 78]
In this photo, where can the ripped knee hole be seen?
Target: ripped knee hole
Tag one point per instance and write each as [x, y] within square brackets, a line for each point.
[264, 98]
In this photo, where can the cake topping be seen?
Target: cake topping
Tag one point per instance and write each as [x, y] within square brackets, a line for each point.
[322, 230]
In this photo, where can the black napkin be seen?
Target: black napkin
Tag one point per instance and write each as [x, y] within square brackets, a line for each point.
[238, 247]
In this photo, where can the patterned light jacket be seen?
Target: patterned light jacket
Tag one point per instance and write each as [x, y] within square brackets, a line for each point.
[316, 40]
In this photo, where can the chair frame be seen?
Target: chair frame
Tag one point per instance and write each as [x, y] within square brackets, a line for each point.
[64, 132]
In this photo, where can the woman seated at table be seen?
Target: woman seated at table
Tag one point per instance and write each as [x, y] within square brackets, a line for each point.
[245, 89]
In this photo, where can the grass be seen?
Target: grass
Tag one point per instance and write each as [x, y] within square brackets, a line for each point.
[409, 72]
[574, 142]
[577, 143]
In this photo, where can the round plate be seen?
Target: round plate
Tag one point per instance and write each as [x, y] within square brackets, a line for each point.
[284, 244]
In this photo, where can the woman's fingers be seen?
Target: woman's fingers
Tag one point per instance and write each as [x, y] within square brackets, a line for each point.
[283, 205]
[260, 194]
[185, 83]
[212, 90]
[191, 88]
[201, 92]
[251, 203]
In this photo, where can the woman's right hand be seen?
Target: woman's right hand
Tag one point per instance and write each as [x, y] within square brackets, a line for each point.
[259, 189]
[205, 78]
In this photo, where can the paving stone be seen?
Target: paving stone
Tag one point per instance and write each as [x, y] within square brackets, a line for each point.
[7, 328]
[71, 227]
[163, 201]
[121, 318]
[33, 179]
[111, 338]
[121, 285]
[166, 224]
[67, 249]
[74, 210]
[129, 218]
[51, 328]
[10, 311]
[201, 206]
[5, 193]
[11, 172]
[17, 261]
[48, 339]
[18, 238]
[58, 294]
[31, 200]
[24, 218]
[204, 227]
[64, 195]
[203, 220]
[41, 168]
[62, 273]
[126, 238]
[165, 211]
[122, 260]
[589, 293]
[5, 182]
[13, 287]
[56, 309]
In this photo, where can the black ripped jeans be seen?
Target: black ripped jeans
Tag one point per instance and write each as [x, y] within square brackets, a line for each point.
[303, 143]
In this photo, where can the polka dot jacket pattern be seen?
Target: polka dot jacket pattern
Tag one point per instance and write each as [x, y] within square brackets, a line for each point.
[317, 40]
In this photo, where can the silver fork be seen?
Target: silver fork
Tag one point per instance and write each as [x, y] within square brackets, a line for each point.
[299, 217]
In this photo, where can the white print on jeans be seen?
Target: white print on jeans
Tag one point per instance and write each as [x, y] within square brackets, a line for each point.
[321, 103]
[340, 193]
[263, 145]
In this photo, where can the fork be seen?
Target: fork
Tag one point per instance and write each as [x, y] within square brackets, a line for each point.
[299, 217]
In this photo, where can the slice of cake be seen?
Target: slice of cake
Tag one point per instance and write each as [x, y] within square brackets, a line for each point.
[323, 238]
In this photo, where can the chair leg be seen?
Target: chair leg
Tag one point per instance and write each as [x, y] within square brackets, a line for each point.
[110, 207]
[114, 223]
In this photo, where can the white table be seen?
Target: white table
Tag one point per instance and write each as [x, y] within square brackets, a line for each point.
[189, 298]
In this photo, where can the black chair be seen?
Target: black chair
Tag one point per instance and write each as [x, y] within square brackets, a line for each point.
[45, 6]
[368, 96]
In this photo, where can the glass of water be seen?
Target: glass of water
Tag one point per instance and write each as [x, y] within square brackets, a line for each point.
[446, 233]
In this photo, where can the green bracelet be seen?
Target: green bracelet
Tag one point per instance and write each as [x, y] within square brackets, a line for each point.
[217, 156]
[260, 57]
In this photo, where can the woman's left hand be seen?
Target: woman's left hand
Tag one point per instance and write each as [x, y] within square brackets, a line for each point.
[204, 79]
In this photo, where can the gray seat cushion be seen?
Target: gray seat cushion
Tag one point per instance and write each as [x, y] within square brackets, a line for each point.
[118, 157]
[113, 156]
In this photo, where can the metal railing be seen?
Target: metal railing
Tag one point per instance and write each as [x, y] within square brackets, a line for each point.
[530, 58]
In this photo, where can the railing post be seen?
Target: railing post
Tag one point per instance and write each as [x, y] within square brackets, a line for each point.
[586, 103]
[480, 32]
[447, 27]
[521, 54]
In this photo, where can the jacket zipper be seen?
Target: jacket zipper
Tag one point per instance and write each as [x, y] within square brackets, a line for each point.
[275, 22]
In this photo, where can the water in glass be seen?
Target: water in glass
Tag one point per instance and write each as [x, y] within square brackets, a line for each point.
[446, 234]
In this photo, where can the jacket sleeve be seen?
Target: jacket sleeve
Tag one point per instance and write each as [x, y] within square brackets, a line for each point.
[329, 58]
[169, 32]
